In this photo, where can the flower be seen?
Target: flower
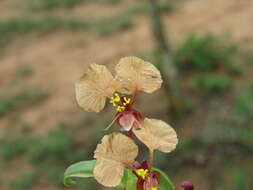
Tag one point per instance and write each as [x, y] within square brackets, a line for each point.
[114, 153]
[118, 151]
[132, 75]
[147, 179]
[127, 117]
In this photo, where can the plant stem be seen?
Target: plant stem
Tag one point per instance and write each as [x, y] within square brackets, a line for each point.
[151, 158]
[167, 68]
[130, 133]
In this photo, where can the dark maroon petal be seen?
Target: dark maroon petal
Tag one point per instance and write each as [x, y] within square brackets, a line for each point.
[140, 183]
[137, 115]
[187, 185]
[140, 165]
[144, 165]
[137, 165]
[151, 181]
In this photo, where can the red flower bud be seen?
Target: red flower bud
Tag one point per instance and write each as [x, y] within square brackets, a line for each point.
[187, 185]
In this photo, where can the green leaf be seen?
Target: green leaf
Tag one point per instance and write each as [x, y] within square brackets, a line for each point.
[164, 181]
[81, 169]
[128, 181]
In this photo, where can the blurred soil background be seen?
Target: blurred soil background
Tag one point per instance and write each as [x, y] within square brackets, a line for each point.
[45, 45]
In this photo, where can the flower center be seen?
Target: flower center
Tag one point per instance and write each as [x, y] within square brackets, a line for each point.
[119, 103]
[142, 173]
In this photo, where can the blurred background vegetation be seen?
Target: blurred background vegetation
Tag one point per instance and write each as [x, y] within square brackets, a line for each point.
[45, 45]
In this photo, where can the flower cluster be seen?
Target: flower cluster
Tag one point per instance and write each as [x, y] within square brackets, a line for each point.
[118, 151]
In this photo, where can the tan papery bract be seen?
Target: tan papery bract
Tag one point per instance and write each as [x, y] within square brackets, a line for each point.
[108, 172]
[157, 135]
[115, 151]
[133, 73]
[93, 88]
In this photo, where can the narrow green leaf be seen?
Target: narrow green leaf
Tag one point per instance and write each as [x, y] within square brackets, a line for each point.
[164, 181]
[128, 182]
[81, 169]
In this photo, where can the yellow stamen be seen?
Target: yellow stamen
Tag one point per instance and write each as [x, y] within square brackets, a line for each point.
[120, 108]
[142, 173]
[115, 99]
[127, 100]
[153, 188]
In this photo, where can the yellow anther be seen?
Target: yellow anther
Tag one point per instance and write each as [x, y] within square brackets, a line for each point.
[120, 108]
[142, 173]
[115, 98]
[127, 100]
[115, 101]
[153, 188]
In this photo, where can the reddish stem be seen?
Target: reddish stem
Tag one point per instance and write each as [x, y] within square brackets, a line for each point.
[130, 134]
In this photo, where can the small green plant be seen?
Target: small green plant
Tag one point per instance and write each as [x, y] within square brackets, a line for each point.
[23, 71]
[11, 148]
[166, 6]
[52, 152]
[243, 107]
[143, 8]
[12, 27]
[250, 59]
[25, 181]
[212, 83]
[49, 5]
[231, 135]
[54, 4]
[206, 54]
[21, 99]
[112, 24]
[110, 2]
[54, 148]
[124, 20]
[49, 154]
[240, 180]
